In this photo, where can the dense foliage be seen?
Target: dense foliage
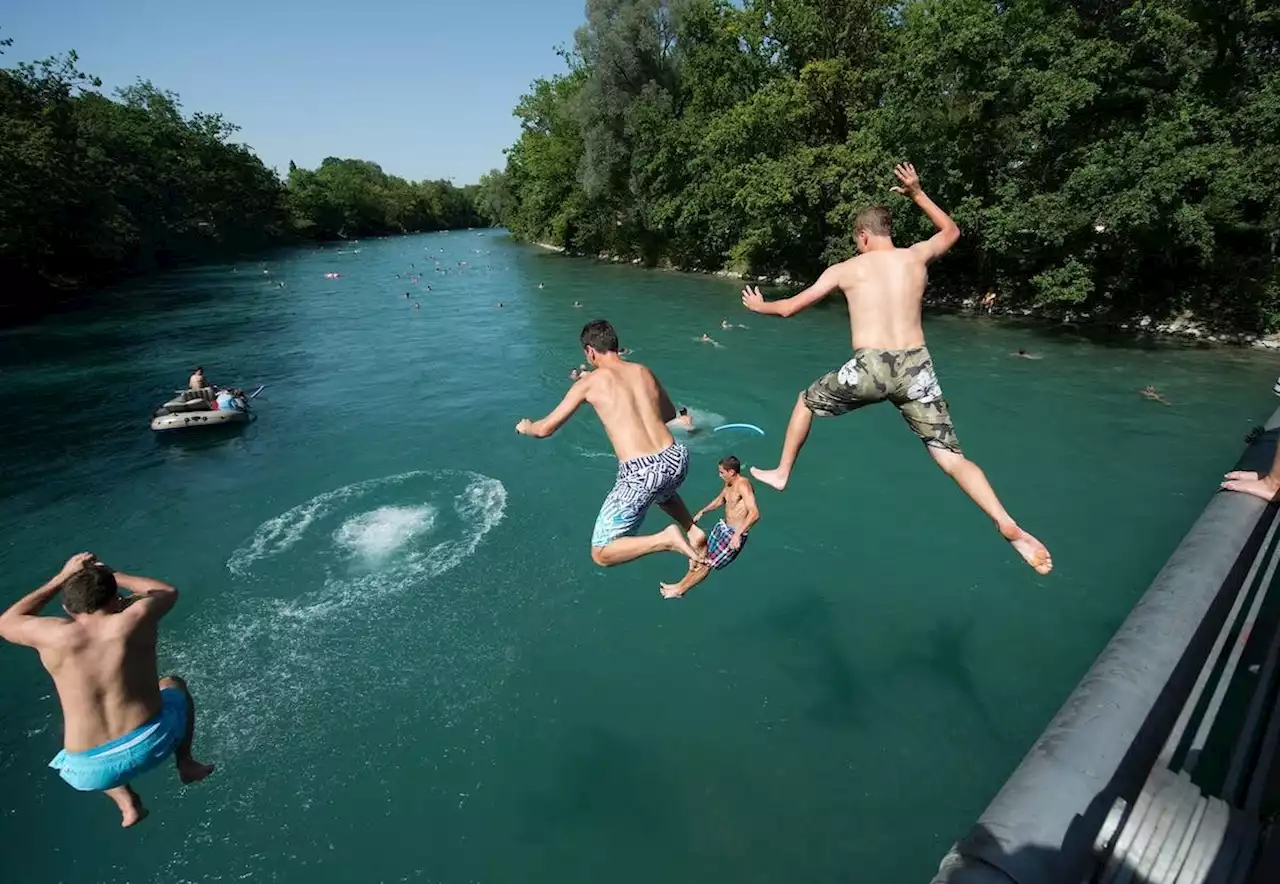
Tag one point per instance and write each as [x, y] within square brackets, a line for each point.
[1104, 156]
[94, 187]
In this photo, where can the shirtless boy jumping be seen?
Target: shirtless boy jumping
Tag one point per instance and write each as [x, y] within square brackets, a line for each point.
[729, 535]
[884, 286]
[634, 409]
[119, 718]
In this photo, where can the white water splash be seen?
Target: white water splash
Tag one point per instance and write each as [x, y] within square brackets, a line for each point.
[376, 535]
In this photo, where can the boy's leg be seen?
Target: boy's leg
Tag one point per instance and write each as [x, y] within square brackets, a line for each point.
[797, 433]
[973, 482]
[189, 770]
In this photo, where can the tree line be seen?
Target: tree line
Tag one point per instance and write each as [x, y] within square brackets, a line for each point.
[1103, 157]
[96, 187]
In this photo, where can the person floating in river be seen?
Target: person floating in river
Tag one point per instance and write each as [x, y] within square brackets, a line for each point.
[1150, 392]
[634, 409]
[684, 419]
[729, 535]
[884, 286]
[1023, 354]
[119, 718]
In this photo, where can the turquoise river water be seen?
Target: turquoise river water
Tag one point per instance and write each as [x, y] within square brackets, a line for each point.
[408, 669]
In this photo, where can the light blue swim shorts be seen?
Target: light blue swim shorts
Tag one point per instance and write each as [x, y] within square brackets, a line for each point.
[119, 761]
[642, 481]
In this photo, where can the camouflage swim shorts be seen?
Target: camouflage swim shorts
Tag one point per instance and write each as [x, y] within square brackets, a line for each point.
[903, 377]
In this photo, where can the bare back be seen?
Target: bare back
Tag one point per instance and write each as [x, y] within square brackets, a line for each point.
[885, 291]
[104, 668]
[632, 406]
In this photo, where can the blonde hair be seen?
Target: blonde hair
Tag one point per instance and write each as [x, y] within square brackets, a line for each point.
[875, 220]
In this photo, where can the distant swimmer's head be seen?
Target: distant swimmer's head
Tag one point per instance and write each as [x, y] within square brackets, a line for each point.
[873, 224]
[599, 339]
[729, 467]
[683, 412]
[90, 589]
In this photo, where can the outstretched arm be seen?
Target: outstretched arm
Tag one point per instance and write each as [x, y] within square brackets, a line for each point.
[827, 283]
[714, 505]
[568, 405]
[948, 233]
[22, 623]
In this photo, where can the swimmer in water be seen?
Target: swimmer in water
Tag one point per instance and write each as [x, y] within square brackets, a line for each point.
[634, 408]
[729, 535]
[1023, 354]
[707, 339]
[120, 719]
[684, 420]
[500, 305]
[417, 305]
[884, 288]
[1149, 392]
[541, 286]
[577, 303]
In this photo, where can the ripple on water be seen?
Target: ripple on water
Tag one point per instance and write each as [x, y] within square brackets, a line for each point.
[272, 667]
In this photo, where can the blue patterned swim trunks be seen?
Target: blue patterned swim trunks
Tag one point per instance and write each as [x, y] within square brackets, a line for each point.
[642, 481]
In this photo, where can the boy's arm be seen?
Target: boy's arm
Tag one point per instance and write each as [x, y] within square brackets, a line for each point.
[22, 624]
[827, 283]
[714, 505]
[541, 429]
[948, 232]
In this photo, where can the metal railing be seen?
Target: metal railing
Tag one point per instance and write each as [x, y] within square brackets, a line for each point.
[1107, 794]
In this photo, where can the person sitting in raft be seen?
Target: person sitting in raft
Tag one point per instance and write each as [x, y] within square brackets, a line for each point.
[119, 718]
[729, 535]
[197, 380]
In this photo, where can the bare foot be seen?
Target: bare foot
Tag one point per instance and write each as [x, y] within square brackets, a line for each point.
[191, 771]
[133, 814]
[1248, 482]
[775, 479]
[677, 542]
[671, 590]
[1031, 550]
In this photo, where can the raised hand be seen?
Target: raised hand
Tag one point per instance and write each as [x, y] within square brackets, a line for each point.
[752, 299]
[75, 564]
[906, 173]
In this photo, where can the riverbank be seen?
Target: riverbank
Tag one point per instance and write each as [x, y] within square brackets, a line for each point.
[1184, 326]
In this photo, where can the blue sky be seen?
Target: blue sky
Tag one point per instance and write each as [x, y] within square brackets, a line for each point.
[422, 87]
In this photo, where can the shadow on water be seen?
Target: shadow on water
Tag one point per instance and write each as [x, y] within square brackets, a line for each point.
[605, 780]
[941, 657]
[811, 650]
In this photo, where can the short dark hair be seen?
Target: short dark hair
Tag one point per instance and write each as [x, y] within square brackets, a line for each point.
[731, 463]
[599, 335]
[875, 220]
[197, 368]
[90, 589]
[683, 411]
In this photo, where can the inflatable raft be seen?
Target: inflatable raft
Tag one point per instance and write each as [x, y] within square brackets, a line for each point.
[200, 409]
